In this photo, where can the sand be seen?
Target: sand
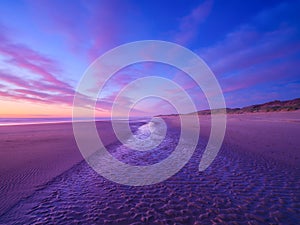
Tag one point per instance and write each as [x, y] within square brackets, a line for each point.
[274, 135]
[31, 155]
[255, 179]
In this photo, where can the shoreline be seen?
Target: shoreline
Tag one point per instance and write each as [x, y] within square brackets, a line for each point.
[238, 186]
[70, 120]
[32, 155]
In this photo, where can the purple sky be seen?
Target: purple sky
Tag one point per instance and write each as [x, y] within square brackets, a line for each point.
[252, 47]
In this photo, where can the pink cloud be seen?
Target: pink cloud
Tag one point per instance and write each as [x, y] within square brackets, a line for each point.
[37, 91]
[46, 88]
[14, 80]
[106, 25]
[88, 27]
[24, 57]
[62, 20]
[188, 27]
[184, 81]
[36, 97]
[19, 97]
[34, 90]
[37, 94]
[52, 88]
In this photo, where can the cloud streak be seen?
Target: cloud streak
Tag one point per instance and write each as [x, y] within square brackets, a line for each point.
[45, 87]
[189, 25]
[260, 52]
[249, 56]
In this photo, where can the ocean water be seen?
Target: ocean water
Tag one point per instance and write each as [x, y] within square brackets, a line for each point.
[25, 121]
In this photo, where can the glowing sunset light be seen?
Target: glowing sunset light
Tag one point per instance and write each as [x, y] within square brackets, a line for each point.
[42, 57]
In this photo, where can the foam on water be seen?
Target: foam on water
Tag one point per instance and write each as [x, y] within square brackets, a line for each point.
[148, 136]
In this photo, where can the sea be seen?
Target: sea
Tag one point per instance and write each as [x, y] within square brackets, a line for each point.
[26, 121]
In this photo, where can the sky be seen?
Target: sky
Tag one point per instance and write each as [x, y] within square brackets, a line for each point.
[252, 47]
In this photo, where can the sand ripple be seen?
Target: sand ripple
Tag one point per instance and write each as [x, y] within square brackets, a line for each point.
[235, 189]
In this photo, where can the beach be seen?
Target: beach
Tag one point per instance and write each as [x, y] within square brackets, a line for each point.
[149, 112]
[33, 154]
[254, 179]
[274, 135]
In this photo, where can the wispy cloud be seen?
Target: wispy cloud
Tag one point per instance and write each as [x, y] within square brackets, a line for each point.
[43, 87]
[263, 51]
[88, 27]
[189, 25]
[31, 60]
[250, 56]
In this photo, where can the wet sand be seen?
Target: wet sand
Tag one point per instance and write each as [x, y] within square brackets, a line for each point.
[31, 155]
[246, 184]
